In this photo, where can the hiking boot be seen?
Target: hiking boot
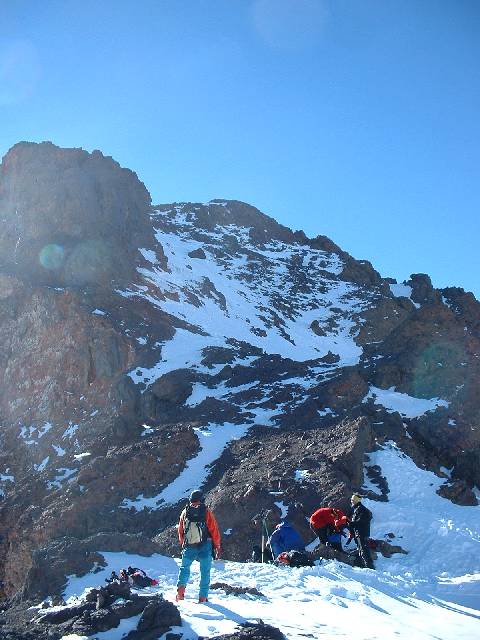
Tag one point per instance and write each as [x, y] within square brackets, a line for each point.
[180, 594]
[203, 599]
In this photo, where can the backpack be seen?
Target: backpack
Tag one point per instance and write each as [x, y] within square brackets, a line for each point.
[141, 581]
[195, 526]
[295, 559]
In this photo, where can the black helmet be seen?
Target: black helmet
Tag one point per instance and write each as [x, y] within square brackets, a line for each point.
[196, 496]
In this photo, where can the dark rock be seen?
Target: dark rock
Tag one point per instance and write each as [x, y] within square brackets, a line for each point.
[197, 253]
[97, 621]
[67, 613]
[231, 589]
[422, 289]
[459, 492]
[157, 618]
[252, 631]
[173, 387]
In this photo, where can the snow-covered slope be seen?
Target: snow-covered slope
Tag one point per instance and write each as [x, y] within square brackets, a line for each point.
[266, 295]
[433, 592]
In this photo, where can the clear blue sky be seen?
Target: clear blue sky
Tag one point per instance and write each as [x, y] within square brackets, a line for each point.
[356, 119]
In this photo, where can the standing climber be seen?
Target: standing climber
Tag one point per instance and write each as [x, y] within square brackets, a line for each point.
[325, 522]
[199, 536]
[360, 529]
[285, 538]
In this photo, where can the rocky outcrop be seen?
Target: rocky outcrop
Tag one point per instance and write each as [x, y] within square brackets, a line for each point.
[67, 556]
[253, 631]
[70, 217]
[102, 610]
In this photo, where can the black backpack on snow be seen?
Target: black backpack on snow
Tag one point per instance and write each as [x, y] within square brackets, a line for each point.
[295, 559]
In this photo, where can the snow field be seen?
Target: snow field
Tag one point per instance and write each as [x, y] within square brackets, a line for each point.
[329, 600]
[431, 593]
[227, 296]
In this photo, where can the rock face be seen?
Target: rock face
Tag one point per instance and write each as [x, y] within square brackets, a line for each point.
[69, 217]
[102, 610]
[147, 350]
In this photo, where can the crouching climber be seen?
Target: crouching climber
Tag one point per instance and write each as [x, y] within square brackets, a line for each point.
[199, 536]
[285, 538]
[360, 519]
[327, 523]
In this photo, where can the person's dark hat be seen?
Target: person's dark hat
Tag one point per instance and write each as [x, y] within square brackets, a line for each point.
[196, 496]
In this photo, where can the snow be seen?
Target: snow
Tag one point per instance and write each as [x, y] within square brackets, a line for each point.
[98, 312]
[26, 433]
[326, 412]
[72, 429]
[64, 475]
[40, 467]
[283, 509]
[325, 601]
[433, 592]
[45, 429]
[212, 439]
[201, 392]
[81, 456]
[302, 475]
[236, 296]
[407, 406]
[58, 450]
[149, 255]
[443, 539]
[403, 291]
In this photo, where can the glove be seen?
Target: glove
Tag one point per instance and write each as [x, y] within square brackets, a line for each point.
[217, 553]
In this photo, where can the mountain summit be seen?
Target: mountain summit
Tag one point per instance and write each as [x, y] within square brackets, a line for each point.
[148, 350]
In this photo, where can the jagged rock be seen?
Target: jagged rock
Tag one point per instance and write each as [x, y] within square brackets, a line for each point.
[67, 613]
[173, 388]
[157, 618]
[458, 492]
[422, 289]
[387, 549]
[70, 217]
[231, 589]
[85, 618]
[197, 253]
[69, 556]
[252, 631]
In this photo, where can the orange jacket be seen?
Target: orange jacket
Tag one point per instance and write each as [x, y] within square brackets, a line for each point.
[212, 527]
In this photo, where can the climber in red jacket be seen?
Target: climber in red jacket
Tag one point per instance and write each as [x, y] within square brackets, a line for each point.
[326, 521]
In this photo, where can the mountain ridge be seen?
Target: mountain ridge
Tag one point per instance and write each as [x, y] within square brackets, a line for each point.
[171, 347]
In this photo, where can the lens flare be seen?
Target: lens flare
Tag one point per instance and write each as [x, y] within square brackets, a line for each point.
[51, 256]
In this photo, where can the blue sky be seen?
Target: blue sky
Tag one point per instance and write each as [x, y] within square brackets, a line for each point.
[355, 119]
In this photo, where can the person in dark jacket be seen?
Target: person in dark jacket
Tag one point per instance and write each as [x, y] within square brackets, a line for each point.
[285, 538]
[360, 529]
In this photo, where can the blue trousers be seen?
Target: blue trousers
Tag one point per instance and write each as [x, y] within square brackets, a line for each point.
[203, 554]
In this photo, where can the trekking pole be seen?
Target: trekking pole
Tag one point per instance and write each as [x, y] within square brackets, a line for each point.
[263, 546]
[264, 523]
